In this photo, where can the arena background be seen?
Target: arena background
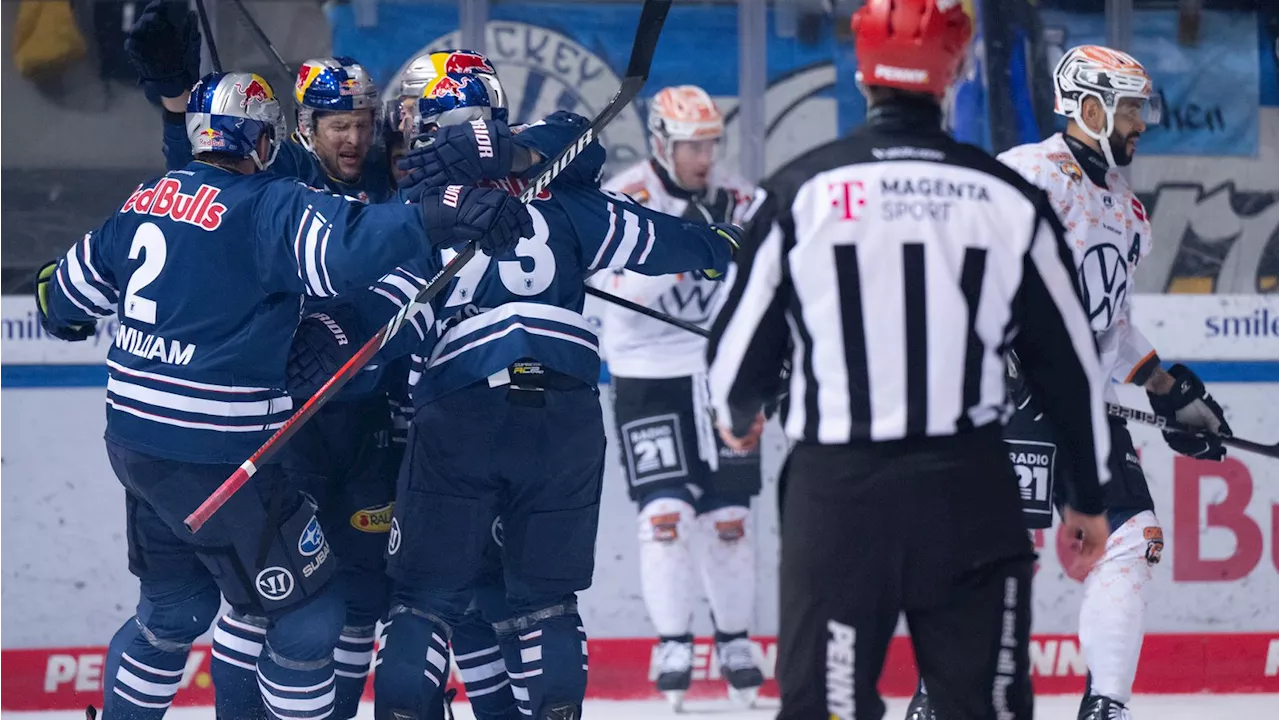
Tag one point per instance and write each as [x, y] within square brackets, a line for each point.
[78, 135]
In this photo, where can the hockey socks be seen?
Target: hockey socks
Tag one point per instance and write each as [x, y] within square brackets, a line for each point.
[553, 656]
[237, 644]
[141, 676]
[483, 670]
[351, 661]
[412, 666]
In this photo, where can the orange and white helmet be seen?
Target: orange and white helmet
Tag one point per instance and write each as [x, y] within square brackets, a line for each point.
[1105, 74]
[680, 114]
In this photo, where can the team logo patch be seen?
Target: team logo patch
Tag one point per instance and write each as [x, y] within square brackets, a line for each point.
[373, 519]
[654, 450]
[312, 539]
[393, 538]
[1155, 543]
[274, 583]
[1071, 170]
[731, 530]
[499, 537]
[666, 527]
[1032, 462]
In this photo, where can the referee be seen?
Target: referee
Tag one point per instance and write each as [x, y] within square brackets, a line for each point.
[897, 268]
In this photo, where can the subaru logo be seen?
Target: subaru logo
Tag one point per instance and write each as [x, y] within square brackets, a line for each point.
[312, 539]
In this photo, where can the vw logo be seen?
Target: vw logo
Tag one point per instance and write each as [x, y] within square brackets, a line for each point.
[1104, 282]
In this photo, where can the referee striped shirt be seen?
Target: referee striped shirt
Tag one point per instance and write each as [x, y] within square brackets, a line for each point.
[895, 272]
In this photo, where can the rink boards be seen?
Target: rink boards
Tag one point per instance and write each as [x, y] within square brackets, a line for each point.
[623, 668]
[1213, 606]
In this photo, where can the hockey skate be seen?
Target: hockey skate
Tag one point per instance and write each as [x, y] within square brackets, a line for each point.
[919, 709]
[1098, 707]
[675, 670]
[738, 666]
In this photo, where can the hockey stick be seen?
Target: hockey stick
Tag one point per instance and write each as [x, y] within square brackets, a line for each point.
[1154, 420]
[650, 312]
[1120, 411]
[208, 36]
[262, 36]
[652, 16]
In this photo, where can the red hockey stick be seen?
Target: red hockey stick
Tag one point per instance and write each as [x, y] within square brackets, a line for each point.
[652, 15]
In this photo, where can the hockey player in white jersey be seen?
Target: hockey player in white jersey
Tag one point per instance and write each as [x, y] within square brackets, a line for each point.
[693, 492]
[1108, 98]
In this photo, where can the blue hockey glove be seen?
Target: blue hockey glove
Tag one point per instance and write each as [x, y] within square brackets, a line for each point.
[495, 220]
[164, 47]
[459, 155]
[1190, 404]
[732, 234]
[70, 333]
[320, 348]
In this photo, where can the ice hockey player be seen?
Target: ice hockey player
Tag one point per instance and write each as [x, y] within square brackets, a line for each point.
[694, 493]
[512, 363]
[207, 268]
[1108, 99]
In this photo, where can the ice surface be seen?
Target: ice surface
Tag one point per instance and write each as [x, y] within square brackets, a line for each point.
[1054, 707]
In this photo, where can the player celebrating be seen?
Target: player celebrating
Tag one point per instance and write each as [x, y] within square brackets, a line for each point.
[693, 492]
[1108, 98]
[206, 267]
[512, 360]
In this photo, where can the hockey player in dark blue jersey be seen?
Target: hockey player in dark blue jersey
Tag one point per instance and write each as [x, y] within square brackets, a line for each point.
[507, 425]
[207, 268]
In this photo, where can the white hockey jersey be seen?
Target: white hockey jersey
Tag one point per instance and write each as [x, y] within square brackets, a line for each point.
[1108, 232]
[640, 347]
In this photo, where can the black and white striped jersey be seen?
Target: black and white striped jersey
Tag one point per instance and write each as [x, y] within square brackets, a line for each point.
[896, 269]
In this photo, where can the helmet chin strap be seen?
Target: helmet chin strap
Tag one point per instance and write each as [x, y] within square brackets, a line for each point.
[1104, 139]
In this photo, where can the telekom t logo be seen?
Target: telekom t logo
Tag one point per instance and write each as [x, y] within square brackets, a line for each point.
[848, 197]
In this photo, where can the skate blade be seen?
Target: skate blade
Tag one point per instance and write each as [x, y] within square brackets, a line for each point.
[676, 699]
[744, 697]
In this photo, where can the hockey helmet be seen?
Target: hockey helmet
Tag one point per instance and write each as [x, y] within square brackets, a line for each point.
[229, 112]
[337, 84]
[683, 113]
[1107, 75]
[914, 45]
[457, 97]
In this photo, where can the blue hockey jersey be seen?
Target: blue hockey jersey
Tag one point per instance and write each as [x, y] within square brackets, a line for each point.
[207, 269]
[529, 304]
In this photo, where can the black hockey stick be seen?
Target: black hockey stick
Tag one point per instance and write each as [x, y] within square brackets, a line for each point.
[262, 36]
[1120, 411]
[650, 312]
[1156, 421]
[652, 16]
[208, 36]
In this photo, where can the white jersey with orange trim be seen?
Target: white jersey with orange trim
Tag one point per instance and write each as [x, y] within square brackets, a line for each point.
[640, 347]
[1108, 232]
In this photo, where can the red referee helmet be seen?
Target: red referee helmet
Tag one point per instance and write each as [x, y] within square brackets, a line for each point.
[915, 45]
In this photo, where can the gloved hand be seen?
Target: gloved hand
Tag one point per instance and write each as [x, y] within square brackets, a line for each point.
[70, 333]
[732, 234]
[164, 47]
[1189, 403]
[495, 220]
[320, 348]
[459, 155]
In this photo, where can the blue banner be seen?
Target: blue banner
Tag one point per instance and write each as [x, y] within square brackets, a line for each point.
[1210, 89]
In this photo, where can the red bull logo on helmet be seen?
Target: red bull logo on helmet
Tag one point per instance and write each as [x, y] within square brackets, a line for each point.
[351, 87]
[257, 90]
[464, 61]
[446, 86]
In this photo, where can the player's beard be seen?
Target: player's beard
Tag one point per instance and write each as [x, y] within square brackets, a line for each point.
[1120, 147]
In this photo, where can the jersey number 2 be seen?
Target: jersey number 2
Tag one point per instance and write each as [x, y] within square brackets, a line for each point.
[514, 277]
[149, 242]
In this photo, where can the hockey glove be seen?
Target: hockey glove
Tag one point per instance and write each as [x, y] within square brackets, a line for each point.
[459, 155]
[164, 47]
[322, 344]
[1190, 404]
[70, 333]
[731, 234]
[455, 215]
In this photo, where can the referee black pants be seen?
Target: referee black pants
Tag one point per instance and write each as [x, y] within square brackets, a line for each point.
[928, 527]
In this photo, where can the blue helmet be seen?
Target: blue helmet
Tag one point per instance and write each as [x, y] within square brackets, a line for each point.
[337, 84]
[457, 97]
[229, 113]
